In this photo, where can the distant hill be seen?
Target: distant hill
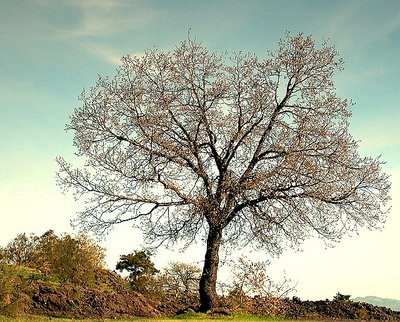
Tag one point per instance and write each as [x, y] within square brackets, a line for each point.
[390, 303]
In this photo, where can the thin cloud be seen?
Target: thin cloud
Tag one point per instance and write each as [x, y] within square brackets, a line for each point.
[94, 25]
[359, 27]
[108, 17]
[378, 134]
[105, 53]
[391, 25]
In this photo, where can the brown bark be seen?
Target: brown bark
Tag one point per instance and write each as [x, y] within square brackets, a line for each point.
[208, 282]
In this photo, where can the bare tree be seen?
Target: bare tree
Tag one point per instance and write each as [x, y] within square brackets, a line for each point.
[249, 278]
[238, 149]
[181, 278]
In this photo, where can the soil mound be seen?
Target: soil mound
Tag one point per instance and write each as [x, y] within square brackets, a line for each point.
[107, 300]
[341, 310]
[80, 302]
[110, 298]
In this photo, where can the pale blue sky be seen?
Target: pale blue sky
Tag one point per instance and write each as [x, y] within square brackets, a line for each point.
[50, 50]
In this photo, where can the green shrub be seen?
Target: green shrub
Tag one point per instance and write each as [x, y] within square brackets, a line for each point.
[141, 270]
[72, 259]
[12, 302]
[65, 258]
[341, 297]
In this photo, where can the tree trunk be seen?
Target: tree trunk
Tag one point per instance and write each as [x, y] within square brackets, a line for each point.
[208, 281]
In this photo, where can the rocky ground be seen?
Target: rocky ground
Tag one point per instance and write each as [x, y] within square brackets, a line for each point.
[339, 310]
[114, 300]
[111, 299]
[317, 310]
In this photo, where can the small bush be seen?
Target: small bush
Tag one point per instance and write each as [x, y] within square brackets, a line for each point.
[341, 297]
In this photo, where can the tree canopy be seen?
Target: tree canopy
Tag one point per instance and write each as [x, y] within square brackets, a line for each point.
[191, 143]
[140, 267]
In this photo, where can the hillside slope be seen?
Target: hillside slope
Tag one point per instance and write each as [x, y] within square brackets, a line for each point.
[378, 301]
[109, 296]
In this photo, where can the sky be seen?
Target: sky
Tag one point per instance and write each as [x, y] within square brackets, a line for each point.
[50, 50]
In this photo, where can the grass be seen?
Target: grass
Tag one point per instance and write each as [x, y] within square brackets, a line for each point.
[189, 317]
